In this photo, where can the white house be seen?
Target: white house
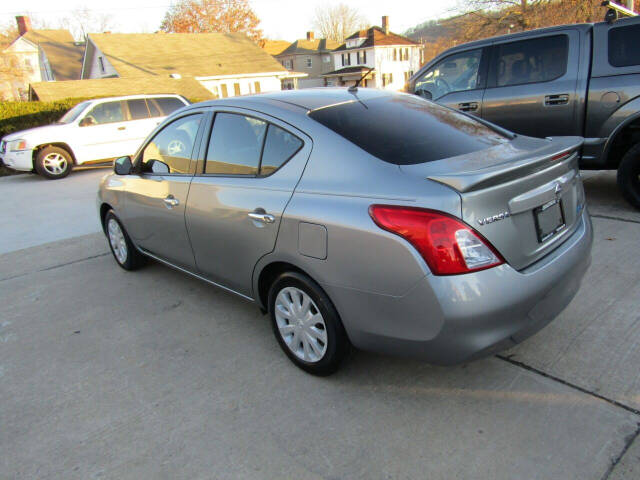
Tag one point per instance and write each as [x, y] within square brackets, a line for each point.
[38, 56]
[392, 59]
[225, 64]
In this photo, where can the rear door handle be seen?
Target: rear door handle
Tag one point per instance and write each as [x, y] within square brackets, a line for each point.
[171, 201]
[261, 217]
[468, 106]
[561, 99]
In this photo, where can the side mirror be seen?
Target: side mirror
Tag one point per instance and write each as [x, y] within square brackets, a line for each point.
[86, 121]
[426, 94]
[122, 166]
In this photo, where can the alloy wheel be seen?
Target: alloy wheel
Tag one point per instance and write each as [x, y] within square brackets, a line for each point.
[55, 164]
[300, 324]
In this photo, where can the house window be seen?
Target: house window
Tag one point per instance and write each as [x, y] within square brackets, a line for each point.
[236, 89]
[309, 62]
[326, 59]
[387, 78]
[223, 91]
[256, 86]
[364, 56]
[395, 54]
[101, 63]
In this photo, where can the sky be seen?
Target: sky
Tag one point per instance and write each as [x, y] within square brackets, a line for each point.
[280, 19]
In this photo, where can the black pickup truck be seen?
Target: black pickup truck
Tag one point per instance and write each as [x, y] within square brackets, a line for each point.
[581, 79]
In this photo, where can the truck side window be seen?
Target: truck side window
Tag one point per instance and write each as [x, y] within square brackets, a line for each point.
[623, 46]
[530, 61]
[455, 73]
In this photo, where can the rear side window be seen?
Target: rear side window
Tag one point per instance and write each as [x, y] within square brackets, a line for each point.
[235, 145]
[154, 109]
[138, 109]
[279, 147]
[624, 45]
[169, 104]
[406, 130]
[531, 61]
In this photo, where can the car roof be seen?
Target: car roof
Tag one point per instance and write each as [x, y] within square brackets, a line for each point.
[307, 99]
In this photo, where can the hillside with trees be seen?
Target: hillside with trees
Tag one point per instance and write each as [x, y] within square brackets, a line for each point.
[488, 18]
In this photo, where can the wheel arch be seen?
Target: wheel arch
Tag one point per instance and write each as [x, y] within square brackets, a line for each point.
[621, 139]
[62, 145]
[267, 274]
[104, 208]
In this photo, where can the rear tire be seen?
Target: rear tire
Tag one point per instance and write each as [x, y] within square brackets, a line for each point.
[123, 250]
[629, 176]
[306, 324]
[53, 163]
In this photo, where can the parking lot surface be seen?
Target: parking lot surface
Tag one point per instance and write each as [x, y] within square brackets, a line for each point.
[152, 374]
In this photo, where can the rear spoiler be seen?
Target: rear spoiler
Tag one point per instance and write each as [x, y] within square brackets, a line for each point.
[559, 149]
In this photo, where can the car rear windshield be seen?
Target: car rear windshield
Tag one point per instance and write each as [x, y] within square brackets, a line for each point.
[405, 130]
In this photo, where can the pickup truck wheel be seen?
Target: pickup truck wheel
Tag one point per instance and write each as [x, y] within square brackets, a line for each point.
[629, 176]
[53, 163]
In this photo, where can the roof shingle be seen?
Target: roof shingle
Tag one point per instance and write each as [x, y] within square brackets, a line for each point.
[64, 56]
[310, 46]
[113, 87]
[376, 37]
[190, 54]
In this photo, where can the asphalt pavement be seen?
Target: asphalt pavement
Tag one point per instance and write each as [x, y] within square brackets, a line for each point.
[153, 374]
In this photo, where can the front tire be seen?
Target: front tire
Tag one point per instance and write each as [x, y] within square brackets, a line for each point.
[53, 163]
[123, 250]
[306, 324]
[629, 176]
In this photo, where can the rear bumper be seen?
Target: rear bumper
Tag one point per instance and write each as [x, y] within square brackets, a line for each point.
[21, 160]
[453, 319]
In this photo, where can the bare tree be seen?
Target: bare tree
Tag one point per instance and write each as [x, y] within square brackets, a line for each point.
[337, 22]
[83, 20]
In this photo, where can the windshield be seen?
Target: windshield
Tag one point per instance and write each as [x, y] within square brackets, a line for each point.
[72, 114]
[405, 129]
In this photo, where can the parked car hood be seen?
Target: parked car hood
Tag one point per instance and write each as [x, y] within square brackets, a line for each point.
[33, 132]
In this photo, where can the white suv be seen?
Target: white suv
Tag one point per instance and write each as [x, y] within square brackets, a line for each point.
[94, 131]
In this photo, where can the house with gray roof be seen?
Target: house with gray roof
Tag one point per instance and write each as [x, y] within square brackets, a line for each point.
[311, 56]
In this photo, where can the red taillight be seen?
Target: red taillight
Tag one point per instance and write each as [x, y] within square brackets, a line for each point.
[448, 245]
[562, 156]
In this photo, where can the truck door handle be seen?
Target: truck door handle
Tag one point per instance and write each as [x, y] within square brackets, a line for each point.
[468, 106]
[171, 201]
[261, 217]
[561, 99]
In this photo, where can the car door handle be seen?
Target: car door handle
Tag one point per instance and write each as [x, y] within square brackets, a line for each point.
[121, 128]
[261, 217]
[468, 106]
[561, 99]
[171, 201]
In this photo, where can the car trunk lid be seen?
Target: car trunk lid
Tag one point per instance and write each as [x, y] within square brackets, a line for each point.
[524, 196]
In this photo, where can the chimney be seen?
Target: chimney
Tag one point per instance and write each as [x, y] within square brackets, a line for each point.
[385, 24]
[309, 35]
[24, 24]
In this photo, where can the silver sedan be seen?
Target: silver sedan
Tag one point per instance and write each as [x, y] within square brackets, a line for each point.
[359, 218]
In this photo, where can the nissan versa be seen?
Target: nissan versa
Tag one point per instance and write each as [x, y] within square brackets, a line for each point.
[359, 217]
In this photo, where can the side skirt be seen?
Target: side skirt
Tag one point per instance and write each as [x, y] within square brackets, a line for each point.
[199, 277]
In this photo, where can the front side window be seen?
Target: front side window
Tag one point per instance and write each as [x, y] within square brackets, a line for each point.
[455, 73]
[138, 109]
[108, 112]
[623, 46]
[407, 130]
[170, 150]
[235, 145]
[530, 61]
